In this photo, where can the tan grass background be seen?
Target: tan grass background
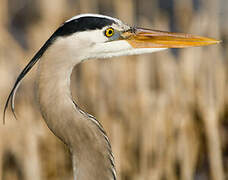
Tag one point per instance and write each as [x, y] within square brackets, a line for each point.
[165, 113]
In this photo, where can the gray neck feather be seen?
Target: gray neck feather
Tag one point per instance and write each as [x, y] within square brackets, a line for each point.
[83, 134]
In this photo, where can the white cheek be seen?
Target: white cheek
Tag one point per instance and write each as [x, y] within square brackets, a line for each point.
[108, 49]
[112, 46]
[79, 44]
[93, 36]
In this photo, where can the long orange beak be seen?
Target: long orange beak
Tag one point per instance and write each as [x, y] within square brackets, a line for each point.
[146, 38]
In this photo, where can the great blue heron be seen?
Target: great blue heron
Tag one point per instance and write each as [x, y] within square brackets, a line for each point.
[80, 38]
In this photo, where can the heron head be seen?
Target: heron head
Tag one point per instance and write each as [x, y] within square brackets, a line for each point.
[98, 36]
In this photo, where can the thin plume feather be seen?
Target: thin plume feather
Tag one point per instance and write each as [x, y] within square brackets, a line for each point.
[27, 68]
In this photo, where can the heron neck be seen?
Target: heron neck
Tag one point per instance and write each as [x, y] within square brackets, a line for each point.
[82, 133]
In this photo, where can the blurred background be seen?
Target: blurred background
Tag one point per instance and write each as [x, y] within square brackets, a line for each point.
[166, 113]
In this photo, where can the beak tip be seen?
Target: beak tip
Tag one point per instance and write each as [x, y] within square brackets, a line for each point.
[214, 41]
[219, 41]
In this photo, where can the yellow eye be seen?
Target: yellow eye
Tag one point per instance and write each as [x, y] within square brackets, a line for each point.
[109, 32]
